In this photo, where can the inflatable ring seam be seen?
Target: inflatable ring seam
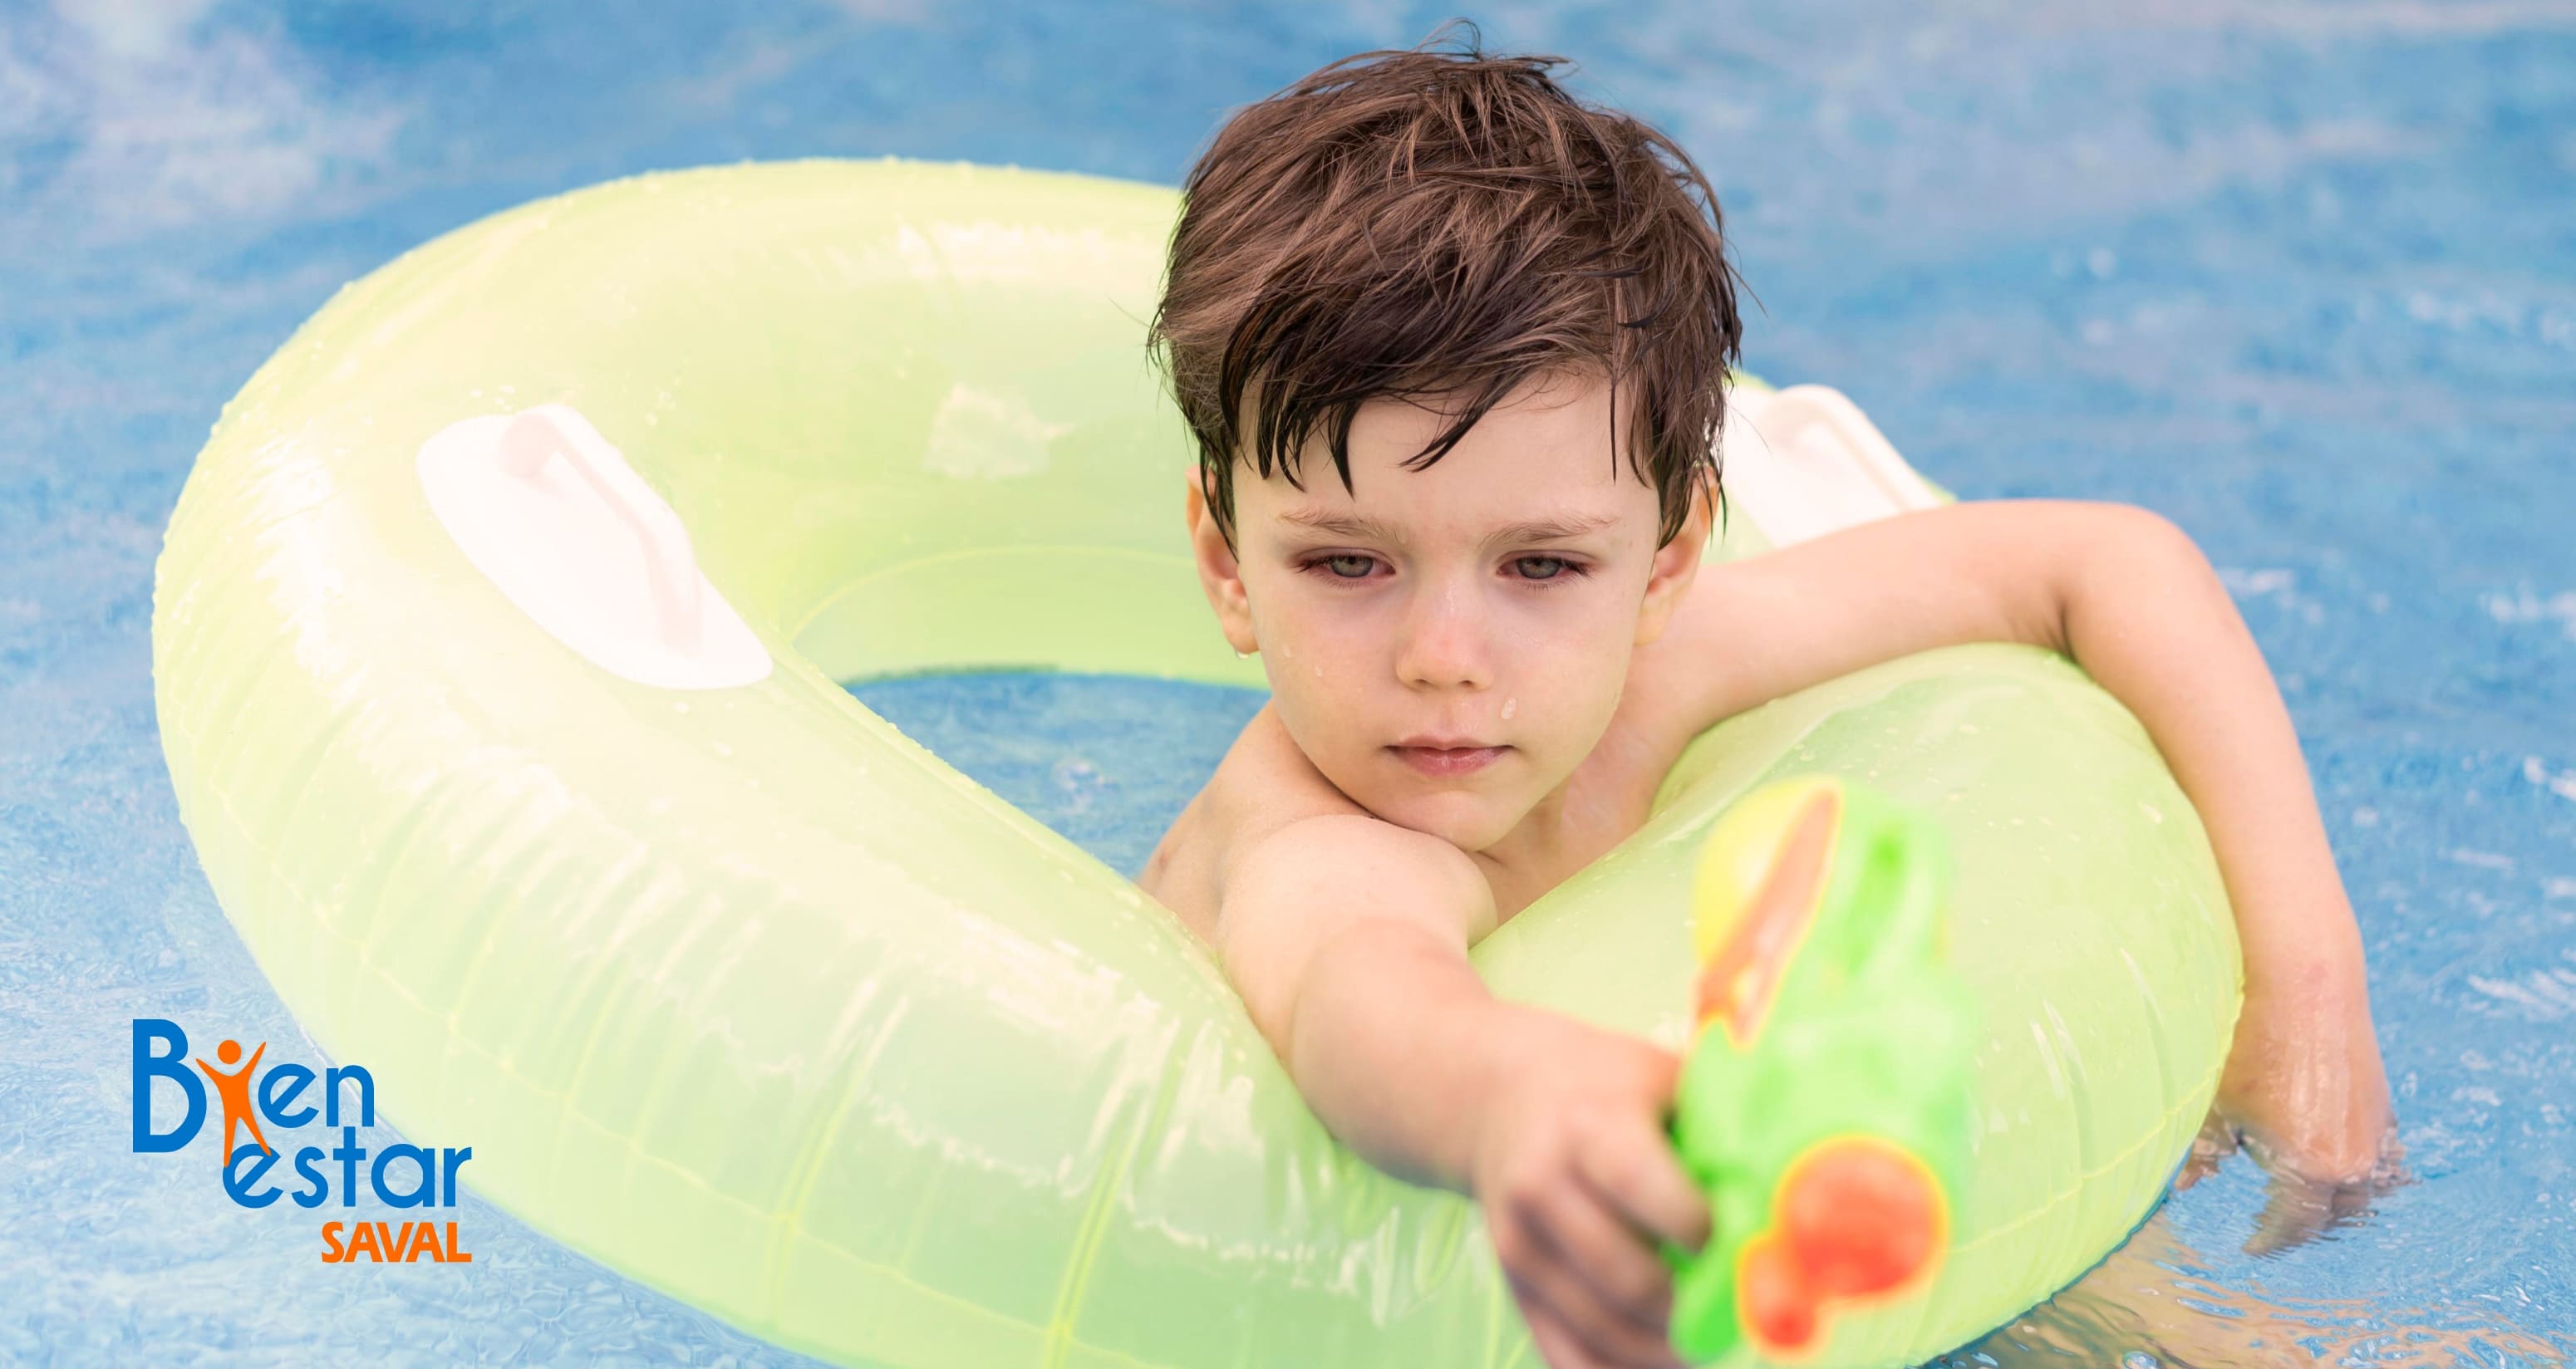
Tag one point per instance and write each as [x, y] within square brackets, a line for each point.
[1057, 1330]
[1095, 1222]
[2067, 1192]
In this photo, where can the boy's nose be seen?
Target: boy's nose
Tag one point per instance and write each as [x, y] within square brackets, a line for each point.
[1444, 643]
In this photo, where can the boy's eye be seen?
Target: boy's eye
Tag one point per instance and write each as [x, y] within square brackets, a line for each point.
[1533, 569]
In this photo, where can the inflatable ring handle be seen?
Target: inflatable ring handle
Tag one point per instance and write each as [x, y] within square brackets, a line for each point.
[1791, 414]
[671, 564]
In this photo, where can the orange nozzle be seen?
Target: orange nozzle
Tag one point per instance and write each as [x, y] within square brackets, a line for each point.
[1854, 1218]
[1862, 1216]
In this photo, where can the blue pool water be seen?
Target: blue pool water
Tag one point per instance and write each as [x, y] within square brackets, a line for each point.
[2302, 276]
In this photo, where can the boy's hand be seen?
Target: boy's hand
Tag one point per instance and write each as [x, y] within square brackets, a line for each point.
[1578, 1183]
[2305, 1091]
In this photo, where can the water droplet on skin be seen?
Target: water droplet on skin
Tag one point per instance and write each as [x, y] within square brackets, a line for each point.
[1509, 706]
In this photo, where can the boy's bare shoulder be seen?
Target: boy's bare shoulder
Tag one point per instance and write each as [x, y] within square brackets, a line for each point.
[1271, 819]
[1263, 784]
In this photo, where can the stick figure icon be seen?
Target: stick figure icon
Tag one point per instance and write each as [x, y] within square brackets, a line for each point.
[234, 1090]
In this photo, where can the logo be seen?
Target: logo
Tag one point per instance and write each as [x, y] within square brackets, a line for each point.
[400, 1175]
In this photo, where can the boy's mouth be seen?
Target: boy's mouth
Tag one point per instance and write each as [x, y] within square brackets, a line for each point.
[1446, 755]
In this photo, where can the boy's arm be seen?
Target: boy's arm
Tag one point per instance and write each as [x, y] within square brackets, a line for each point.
[1346, 938]
[2132, 600]
[1315, 923]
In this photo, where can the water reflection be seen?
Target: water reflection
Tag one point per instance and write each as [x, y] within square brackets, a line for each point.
[2157, 1303]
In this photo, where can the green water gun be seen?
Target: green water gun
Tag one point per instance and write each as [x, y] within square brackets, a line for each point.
[1824, 1105]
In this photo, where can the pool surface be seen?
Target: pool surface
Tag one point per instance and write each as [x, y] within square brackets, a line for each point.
[2300, 276]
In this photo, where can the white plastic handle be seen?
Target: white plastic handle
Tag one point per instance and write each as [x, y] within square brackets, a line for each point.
[1799, 407]
[672, 566]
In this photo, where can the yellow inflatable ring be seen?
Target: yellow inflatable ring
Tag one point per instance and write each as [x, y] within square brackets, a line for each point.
[499, 642]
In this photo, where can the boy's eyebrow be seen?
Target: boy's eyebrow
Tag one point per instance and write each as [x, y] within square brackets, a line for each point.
[1555, 528]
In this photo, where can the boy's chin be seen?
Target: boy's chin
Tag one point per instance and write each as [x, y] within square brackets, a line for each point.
[1470, 822]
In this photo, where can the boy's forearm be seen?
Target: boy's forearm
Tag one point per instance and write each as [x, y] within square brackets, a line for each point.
[2148, 618]
[1394, 1042]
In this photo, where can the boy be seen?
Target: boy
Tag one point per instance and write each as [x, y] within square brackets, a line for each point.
[1503, 317]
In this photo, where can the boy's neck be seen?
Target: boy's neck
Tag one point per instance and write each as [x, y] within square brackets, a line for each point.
[1534, 856]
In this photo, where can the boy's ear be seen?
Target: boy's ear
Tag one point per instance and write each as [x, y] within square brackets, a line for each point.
[1676, 566]
[1220, 574]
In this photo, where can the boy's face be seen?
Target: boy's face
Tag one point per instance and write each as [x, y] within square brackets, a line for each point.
[1447, 644]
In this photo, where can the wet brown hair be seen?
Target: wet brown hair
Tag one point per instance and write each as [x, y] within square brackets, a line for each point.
[1432, 224]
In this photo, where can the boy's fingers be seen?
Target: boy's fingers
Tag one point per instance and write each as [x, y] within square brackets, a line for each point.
[2298, 1211]
[1636, 1173]
[1551, 1285]
[2214, 1143]
[1613, 1263]
[1567, 1344]
[1556, 1345]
